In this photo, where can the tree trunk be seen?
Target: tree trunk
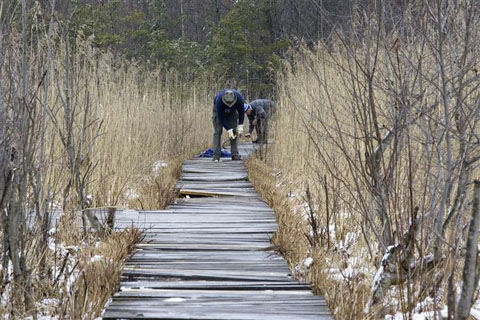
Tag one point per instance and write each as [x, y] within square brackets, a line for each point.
[471, 268]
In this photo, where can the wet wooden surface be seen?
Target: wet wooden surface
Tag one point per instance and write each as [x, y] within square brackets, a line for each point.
[210, 257]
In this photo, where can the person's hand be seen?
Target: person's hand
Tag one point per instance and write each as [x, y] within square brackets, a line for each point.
[254, 122]
[240, 129]
[247, 135]
[231, 135]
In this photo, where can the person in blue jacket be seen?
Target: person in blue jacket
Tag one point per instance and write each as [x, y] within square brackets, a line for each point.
[228, 113]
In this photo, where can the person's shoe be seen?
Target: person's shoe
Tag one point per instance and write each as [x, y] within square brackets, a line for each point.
[236, 157]
[255, 141]
[216, 159]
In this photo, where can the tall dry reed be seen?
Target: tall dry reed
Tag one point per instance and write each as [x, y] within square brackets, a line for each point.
[104, 132]
[376, 148]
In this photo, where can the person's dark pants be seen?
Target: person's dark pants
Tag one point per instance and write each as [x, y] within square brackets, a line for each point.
[262, 130]
[232, 120]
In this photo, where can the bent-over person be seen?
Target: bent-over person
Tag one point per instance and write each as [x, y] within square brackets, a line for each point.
[228, 113]
[259, 113]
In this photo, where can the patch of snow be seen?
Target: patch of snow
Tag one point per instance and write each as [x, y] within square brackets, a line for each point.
[131, 194]
[332, 231]
[48, 302]
[157, 166]
[428, 315]
[71, 279]
[96, 258]
[40, 317]
[72, 248]
[377, 278]
[57, 247]
[350, 273]
[475, 313]
[343, 275]
[424, 304]
[51, 244]
[174, 300]
[308, 262]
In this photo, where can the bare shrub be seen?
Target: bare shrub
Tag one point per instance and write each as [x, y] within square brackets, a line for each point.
[389, 112]
[80, 130]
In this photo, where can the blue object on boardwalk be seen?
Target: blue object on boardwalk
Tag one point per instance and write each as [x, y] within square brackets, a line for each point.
[209, 154]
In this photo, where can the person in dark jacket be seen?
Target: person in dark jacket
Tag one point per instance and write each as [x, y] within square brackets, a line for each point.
[259, 113]
[228, 113]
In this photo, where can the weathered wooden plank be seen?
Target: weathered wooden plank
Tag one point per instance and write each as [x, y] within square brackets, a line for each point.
[205, 315]
[208, 236]
[149, 229]
[216, 201]
[152, 274]
[239, 307]
[213, 177]
[209, 256]
[230, 210]
[208, 246]
[217, 285]
[193, 219]
[225, 184]
[196, 293]
[213, 266]
[212, 192]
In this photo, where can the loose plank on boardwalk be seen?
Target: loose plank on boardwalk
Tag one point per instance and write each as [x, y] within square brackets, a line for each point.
[210, 257]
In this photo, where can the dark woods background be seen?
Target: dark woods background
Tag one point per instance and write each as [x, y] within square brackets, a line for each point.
[241, 41]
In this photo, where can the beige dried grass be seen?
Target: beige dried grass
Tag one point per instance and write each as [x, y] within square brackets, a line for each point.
[348, 297]
[136, 117]
[316, 88]
[99, 266]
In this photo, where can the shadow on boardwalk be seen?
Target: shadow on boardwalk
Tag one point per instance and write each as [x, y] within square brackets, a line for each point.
[210, 257]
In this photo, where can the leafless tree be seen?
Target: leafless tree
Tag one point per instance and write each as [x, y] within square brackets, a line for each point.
[408, 135]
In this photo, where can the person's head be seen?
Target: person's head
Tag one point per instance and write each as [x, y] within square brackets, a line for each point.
[247, 108]
[229, 98]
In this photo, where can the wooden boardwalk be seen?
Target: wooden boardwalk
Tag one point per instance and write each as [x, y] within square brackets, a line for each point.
[210, 257]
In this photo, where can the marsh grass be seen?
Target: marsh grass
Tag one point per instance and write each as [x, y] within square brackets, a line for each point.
[124, 118]
[346, 298]
[319, 167]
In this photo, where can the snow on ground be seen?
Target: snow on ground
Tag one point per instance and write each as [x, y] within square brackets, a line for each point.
[175, 300]
[96, 258]
[428, 315]
[475, 312]
[46, 307]
[423, 309]
[308, 262]
[352, 262]
[158, 166]
[131, 194]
